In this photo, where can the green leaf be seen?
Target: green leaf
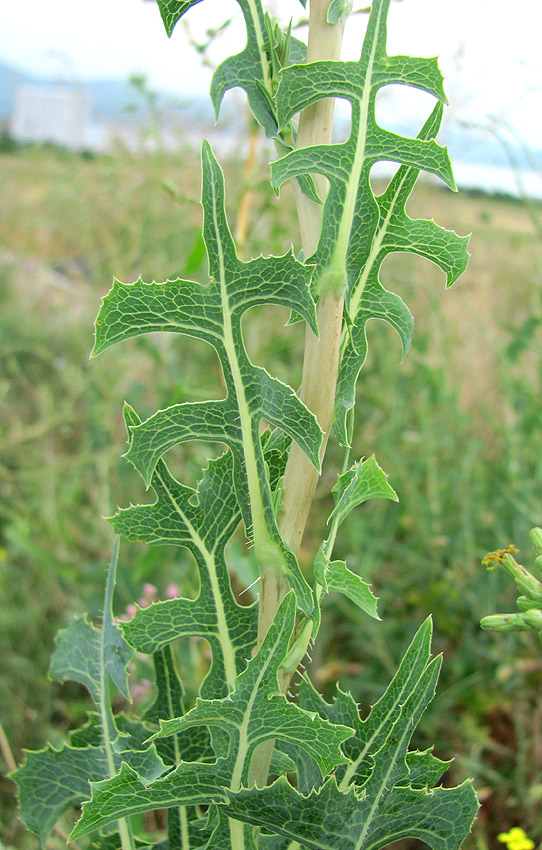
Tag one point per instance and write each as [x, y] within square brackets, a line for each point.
[383, 795]
[335, 576]
[390, 230]
[359, 230]
[329, 819]
[213, 313]
[78, 654]
[94, 656]
[191, 784]
[256, 711]
[203, 521]
[339, 10]
[281, 763]
[168, 704]
[50, 781]
[250, 69]
[363, 481]
[89, 655]
[347, 165]
[425, 769]
[372, 732]
[173, 10]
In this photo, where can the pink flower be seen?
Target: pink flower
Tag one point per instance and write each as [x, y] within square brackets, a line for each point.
[173, 591]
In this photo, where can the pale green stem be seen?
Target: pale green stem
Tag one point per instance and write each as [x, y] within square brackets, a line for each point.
[321, 353]
[305, 629]
[237, 834]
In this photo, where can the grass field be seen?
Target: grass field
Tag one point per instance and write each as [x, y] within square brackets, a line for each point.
[458, 426]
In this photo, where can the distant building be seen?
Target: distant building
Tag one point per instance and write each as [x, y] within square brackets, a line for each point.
[57, 114]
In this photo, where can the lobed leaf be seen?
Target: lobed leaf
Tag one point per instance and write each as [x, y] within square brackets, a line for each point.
[364, 480]
[371, 733]
[256, 711]
[201, 520]
[392, 230]
[335, 576]
[250, 69]
[50, 781]
[213, 313]
[329, 819]
[383, 795]
[358, 229]
[89, 655]
[192, 783]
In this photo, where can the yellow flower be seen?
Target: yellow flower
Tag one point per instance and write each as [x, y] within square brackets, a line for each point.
[490, 561]
[516, 839]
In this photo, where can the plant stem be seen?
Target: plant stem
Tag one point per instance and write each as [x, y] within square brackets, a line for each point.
[321, 353]
[5, 749]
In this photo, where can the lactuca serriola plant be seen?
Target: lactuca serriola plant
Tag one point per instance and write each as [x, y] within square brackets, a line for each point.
[249, 765]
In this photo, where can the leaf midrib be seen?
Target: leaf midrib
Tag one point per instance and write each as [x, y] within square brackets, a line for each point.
[353, 766]
[261, 535]
[338, 259]
[243, 729]
[209, 558]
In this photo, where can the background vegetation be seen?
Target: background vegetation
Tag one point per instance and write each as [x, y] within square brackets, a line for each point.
[460, 432]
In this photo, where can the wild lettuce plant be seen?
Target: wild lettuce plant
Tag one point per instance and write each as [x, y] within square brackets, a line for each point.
[250, 765]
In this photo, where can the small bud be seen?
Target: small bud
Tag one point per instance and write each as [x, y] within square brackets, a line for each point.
[525, 604]
[528, 584]
[504, 623]
[534, 618]
[536, 537]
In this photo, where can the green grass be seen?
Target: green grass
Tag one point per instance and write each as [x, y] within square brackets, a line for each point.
[457, 426]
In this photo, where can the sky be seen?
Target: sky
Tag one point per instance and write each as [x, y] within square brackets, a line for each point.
[489, 50]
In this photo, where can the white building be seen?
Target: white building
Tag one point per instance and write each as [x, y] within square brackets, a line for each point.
[57, 114]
